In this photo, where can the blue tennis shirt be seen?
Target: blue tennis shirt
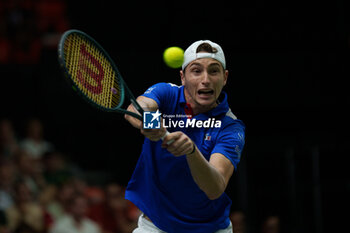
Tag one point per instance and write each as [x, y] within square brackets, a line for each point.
[162, 186]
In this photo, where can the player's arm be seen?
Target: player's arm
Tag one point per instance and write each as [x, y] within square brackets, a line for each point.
[211, 176]
[149, 105]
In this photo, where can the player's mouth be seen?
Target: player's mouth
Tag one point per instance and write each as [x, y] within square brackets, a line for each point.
[205, 92]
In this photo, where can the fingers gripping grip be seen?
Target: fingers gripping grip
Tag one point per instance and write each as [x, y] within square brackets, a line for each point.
[166, 133]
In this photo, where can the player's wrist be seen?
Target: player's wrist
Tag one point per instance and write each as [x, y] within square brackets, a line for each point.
[193, 150]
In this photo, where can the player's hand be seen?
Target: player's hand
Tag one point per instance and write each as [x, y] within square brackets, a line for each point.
[154, 134]
[181, 144]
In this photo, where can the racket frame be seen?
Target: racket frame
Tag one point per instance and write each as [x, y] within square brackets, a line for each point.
[124, 89]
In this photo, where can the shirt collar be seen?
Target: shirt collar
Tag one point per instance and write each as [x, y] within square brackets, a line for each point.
[222, 107]
[182, 95]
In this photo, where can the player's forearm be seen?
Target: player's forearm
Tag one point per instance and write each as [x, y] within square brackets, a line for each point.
[132, 120]
[206, 176]
[146, 103]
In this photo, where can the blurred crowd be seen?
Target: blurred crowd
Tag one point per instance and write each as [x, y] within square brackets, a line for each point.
[41, 192]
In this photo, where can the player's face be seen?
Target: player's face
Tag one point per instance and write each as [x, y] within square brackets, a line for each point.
[203, 79]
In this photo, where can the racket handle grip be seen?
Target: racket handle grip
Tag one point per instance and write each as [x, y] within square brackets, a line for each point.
[166, 133]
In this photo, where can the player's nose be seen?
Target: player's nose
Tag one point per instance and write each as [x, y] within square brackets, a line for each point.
[205, 79]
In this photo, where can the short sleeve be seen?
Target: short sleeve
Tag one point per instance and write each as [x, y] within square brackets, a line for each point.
[230, 142]
[161, 93]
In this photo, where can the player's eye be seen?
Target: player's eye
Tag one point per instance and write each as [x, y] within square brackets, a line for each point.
[196, 70]
[214, 71]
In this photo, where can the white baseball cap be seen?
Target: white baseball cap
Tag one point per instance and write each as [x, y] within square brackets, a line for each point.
[191, 53]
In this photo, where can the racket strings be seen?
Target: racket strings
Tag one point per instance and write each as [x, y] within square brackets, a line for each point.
[92, 71]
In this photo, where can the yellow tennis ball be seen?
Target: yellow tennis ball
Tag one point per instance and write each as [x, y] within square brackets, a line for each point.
[173, 57]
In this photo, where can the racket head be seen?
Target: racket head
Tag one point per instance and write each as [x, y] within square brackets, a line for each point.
[91, 71]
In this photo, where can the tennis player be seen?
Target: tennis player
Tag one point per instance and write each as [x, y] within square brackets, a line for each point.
[179, 182]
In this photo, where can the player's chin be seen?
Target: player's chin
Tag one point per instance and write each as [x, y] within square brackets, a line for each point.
[207, 101]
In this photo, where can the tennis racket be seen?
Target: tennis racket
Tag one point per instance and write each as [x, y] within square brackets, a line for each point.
[92, 73]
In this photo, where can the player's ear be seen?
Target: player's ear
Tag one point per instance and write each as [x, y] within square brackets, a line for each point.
[225, 76]
[182, 75]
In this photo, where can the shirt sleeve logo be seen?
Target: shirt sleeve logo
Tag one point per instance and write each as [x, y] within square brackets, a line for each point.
[149, 90]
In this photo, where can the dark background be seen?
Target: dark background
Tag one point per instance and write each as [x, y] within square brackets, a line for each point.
[287, 65]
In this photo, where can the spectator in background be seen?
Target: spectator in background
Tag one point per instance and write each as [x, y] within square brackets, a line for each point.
[80, 185]
[30, 171]
[56, 170]
[61, 181]
[58, 205]
[7, 178]
[271, 224]
[8, 140]
[26, 213]
[76, 221]
[115, 214]
[34, 142]
[238, 222]
[95, 195]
